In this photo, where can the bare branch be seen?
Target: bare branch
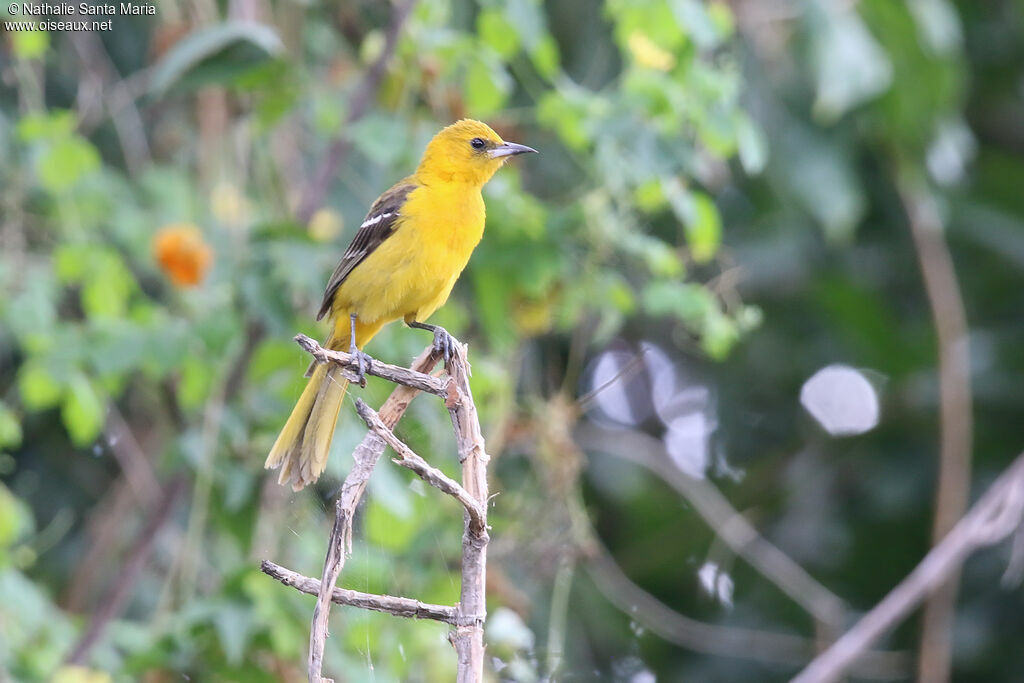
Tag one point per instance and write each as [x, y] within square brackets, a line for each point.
[956, 424]
[415, 379]
[469, 640]
[724, 641]
[138, 470]
[994, 517]
[110, 91]
[433, 476]
[124, 582]
[400, 607]
[731, 526]
[339, 544]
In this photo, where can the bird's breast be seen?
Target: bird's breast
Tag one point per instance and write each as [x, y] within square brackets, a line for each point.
[449, 222]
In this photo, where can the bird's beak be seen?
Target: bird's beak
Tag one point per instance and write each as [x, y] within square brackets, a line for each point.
[509, 149]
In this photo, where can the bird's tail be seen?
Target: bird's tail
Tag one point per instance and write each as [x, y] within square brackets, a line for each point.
[302, 446]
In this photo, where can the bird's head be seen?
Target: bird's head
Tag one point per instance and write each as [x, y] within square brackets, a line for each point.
[468, 152]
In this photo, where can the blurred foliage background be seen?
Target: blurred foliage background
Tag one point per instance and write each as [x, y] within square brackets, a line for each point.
[719, 212]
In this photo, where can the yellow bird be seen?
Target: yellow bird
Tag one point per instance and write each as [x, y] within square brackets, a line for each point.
[402, 263]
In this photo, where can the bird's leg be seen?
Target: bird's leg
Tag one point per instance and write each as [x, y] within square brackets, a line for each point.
[362, 359]
[443, 342]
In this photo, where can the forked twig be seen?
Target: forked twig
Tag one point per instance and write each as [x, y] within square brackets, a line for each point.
[467, 617]
[433, 476]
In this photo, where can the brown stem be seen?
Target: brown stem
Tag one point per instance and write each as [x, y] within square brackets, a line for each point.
[950, 320]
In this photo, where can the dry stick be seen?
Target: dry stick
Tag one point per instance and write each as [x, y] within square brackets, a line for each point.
[994, 517]
[316, 190]
[339, 545]
[731, 526]
[409, 377]
[400, 607]
[433, 476]
[121, 588]
[468, 637]
[950, 319]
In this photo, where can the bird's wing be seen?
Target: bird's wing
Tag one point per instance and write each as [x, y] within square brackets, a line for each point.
[378, 225]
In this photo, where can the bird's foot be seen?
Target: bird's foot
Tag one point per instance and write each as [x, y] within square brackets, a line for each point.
[362, 363]
[444, 343]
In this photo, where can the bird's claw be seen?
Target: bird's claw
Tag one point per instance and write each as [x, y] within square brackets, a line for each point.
[362, 363]
[444, 343]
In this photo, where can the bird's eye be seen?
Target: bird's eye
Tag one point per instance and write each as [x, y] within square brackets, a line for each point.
[476, 143]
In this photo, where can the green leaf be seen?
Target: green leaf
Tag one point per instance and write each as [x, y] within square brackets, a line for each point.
[563, 112]
[699, 216]
[487, 87]
[527, 17]
[10, 428]
[29, 44]
[718, 334]
[704, 230]
[69, 261]
[39, 387]
[821, 175]
[496, 31]
[938, 25]
[545, 57]
[196, 380]
[82, 410]
[618, 293]
[851, 66]
[694, 18]
[106, 292]
[15, 520]
[752, 144]
[67, 162]
[689, 303]
[190, 53]
[56, 124]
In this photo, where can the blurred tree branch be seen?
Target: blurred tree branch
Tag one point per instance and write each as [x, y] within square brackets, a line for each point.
[956, 420]
[316, 190]
[731, 526]
[120, 588]
[996, 515]
[724, 641]
[103, 88]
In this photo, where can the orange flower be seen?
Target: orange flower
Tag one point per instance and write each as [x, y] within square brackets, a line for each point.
[182, 254]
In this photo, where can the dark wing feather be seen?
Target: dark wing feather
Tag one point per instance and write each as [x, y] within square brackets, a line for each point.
[378, 225]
